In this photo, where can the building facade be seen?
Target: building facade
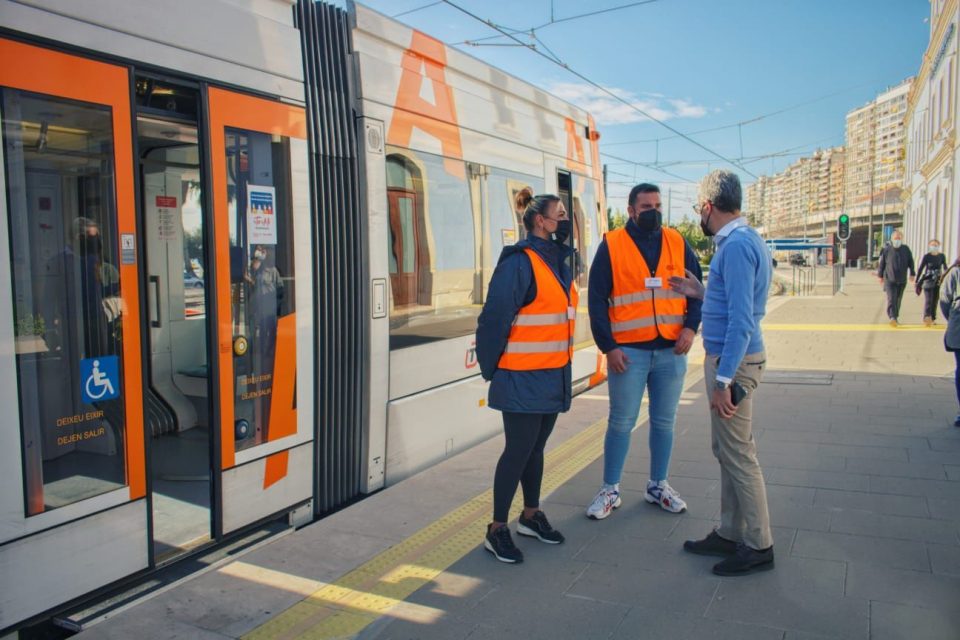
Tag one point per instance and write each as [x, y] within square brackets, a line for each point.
[932, 152]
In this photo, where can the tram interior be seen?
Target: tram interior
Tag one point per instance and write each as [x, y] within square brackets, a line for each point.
[177, 319]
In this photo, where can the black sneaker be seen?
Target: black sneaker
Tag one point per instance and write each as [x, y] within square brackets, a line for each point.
[538, 527]
[712, 545]
[745, 561]
[500, 544]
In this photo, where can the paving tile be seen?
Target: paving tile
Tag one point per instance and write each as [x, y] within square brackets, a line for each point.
[565, 617]
[913, 487]
[926, 456]
[152, 626]
[945, 444]
[819, 479]
[706, 470]
[866, 452]
[786, 493]
[871, 524]
[629, 553]
[892, 468]
[903, 622]
[789, 609]
[953, 472]
[915, 588]
[686, 595]
[876, 503]
[808, 463]
[945, 559]
[648, 623]
[850, 548]
[392, 628]
[798, 516]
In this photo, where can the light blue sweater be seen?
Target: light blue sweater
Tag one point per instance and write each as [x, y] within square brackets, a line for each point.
[736, 299]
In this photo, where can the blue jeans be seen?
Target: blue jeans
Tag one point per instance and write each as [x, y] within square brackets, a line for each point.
[662, 371]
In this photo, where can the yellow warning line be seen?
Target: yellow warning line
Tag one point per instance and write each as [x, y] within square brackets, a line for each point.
[848, 327]
[380, 586]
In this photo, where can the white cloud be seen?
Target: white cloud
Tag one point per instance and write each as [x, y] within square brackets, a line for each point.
[609, 111]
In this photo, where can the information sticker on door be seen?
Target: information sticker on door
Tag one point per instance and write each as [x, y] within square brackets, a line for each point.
[128, 249]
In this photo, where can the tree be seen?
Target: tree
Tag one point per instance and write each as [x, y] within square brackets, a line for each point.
[693, 234]
[615, 219]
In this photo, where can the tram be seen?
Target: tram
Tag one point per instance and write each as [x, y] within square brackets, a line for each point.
[243, 247]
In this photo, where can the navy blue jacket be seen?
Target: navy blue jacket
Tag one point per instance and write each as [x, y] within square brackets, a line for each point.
[601, 286]
[513, 286]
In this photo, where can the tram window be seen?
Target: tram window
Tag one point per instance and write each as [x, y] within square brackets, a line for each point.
[59, 168]
[261, 280]
[434, 281]
[505, 222]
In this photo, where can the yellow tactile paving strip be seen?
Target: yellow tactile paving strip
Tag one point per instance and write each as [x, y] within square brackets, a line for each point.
[344, 608]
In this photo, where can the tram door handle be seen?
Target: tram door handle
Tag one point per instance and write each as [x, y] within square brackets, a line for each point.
[155, 280]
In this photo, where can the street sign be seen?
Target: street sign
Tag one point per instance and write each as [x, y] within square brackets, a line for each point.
[843, 227]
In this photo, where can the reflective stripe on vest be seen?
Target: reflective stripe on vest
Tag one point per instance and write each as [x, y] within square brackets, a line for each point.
[542, 333]
[637, 313]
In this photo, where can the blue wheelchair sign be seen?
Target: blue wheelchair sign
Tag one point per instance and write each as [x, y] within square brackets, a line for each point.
[99, 379]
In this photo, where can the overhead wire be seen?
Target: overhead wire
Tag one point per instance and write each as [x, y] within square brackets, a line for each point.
[600, 87]
[414, 10]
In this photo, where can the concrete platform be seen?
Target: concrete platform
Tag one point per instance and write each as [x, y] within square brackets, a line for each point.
[862, 463]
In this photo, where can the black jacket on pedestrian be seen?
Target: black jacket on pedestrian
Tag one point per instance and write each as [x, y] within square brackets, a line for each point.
[930, 269]
[895, 262]
[513, 286]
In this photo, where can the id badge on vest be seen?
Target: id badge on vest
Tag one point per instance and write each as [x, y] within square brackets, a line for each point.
[653, 283]
[571, 313]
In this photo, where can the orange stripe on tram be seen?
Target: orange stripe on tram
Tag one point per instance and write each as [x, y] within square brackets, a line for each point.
[275, 468]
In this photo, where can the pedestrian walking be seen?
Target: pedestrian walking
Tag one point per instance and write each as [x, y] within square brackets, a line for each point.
[950, 307]
[933, 264]
[646, 330]
[895, 261]
[524, 348]
[735, 302]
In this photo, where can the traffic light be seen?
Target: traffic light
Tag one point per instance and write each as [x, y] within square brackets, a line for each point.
[843, 227]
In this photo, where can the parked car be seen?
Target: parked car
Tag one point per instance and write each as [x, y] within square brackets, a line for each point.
[191, 281]
[798, 260]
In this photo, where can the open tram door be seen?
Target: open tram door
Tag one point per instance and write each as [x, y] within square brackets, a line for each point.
[261, 249]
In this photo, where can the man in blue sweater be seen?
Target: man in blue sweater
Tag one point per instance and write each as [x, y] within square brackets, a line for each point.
[733, 306]
[646, 331]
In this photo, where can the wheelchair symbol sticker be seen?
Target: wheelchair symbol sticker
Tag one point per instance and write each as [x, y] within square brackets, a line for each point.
[100, 379]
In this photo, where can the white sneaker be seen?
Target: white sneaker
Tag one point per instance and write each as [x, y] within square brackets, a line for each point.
[605, 502]
[663, 494]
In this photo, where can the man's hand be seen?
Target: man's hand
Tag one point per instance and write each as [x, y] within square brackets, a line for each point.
[722, 402]
[617, 361]
[684, 342]
[689, 286]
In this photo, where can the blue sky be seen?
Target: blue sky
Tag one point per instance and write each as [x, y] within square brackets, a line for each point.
[700, 64]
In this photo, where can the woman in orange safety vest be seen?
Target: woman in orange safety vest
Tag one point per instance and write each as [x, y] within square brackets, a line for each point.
[524, 347]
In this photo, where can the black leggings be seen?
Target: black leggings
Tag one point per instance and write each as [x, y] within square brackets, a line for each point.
[521, 461]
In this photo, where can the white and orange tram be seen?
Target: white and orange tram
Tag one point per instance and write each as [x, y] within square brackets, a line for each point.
[243, 246]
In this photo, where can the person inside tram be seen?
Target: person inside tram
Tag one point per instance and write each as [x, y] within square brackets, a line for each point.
[266, 295]
[524, 337]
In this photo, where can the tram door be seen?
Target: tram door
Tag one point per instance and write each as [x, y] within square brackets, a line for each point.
[177, 411]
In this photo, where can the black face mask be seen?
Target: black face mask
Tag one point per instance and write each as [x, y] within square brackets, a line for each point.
[563, 231]
[649, 220]
[703, 225]
[90, 245]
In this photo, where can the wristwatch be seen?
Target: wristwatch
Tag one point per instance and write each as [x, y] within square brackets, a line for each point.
[721, 386]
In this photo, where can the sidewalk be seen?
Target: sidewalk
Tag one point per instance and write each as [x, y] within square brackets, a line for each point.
[854, 426]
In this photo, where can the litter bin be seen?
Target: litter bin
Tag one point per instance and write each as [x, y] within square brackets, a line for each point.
[860, 262]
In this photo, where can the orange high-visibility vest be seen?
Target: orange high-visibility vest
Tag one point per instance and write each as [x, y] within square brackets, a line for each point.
[638, 313]
[542, 332]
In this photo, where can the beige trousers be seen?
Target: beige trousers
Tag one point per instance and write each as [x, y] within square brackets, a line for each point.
[743, 498]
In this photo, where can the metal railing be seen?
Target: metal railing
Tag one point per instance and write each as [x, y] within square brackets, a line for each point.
[804, 280]
[839, 270]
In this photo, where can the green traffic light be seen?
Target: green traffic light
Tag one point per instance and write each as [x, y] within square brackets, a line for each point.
[844, 218]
